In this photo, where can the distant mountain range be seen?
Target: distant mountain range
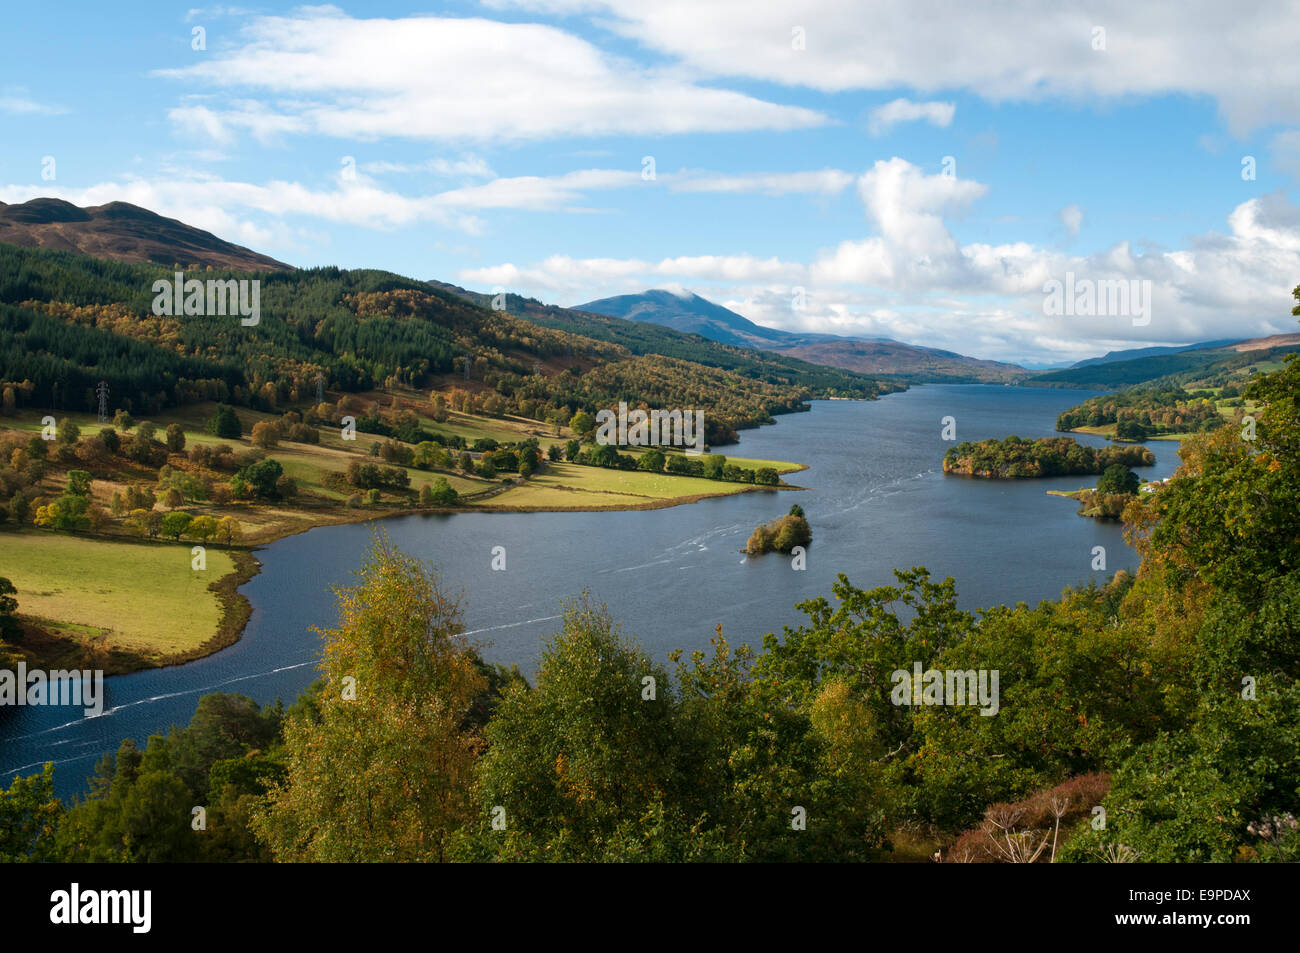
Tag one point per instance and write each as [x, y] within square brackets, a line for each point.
[1178, 364]
[1132, 354]
[123, 232]
[873, 355]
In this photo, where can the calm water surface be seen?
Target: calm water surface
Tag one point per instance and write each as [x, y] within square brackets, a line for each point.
[876, 498]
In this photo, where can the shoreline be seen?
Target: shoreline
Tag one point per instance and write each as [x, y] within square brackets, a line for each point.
[236, 610]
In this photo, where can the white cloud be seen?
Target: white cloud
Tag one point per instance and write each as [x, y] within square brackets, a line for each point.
[1072, 219]
[469, 166]
[822, 182]
[16, 100]
[1022, 50]
[209, 202]
[884, 118]
[914, 247]
[453, 79]
[582, 279]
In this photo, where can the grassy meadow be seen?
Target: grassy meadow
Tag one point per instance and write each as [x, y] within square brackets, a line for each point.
[143, 598]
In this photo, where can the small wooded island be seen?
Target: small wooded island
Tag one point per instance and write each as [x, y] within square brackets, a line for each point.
[1117, 488]
[1015, 458]
[781, 535]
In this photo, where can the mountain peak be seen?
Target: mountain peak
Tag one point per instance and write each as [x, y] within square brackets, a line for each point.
[688, 312]
[123, 232]
[44, 211]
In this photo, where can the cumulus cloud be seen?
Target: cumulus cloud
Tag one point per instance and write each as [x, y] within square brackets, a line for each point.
[914, 246]
[884, 118]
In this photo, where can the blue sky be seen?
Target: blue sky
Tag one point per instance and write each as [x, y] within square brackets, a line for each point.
[795, 146]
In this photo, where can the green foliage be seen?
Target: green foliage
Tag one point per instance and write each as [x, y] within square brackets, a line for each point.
[1118, 478]
[257, 480]
[68, 512]
[1016, 458]
[68, 320]
[176, 524]
[589, 764]
[29, 816]
[10, 630]
[1231, 515]
[441, 493]
[225, 423]
[139, 806]
[78, 483]
[1144, 411]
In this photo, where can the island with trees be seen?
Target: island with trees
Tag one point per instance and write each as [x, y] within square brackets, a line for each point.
[1115, 490]
[1016, 458]
[781, 535]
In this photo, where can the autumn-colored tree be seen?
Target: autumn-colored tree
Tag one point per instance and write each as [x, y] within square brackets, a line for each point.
[265, 434]
[229, 531]
[202, 528]
[382, 772]
[67, 512]
[439, 407]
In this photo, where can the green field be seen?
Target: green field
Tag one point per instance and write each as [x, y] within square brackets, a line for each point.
[596, 486]
[144, 598]
[532, 496]
[780, 466]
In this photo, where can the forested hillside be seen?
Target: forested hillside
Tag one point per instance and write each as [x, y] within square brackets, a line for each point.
[1188, 401]
[68, 321]
[1186, 365]
[641, 337]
